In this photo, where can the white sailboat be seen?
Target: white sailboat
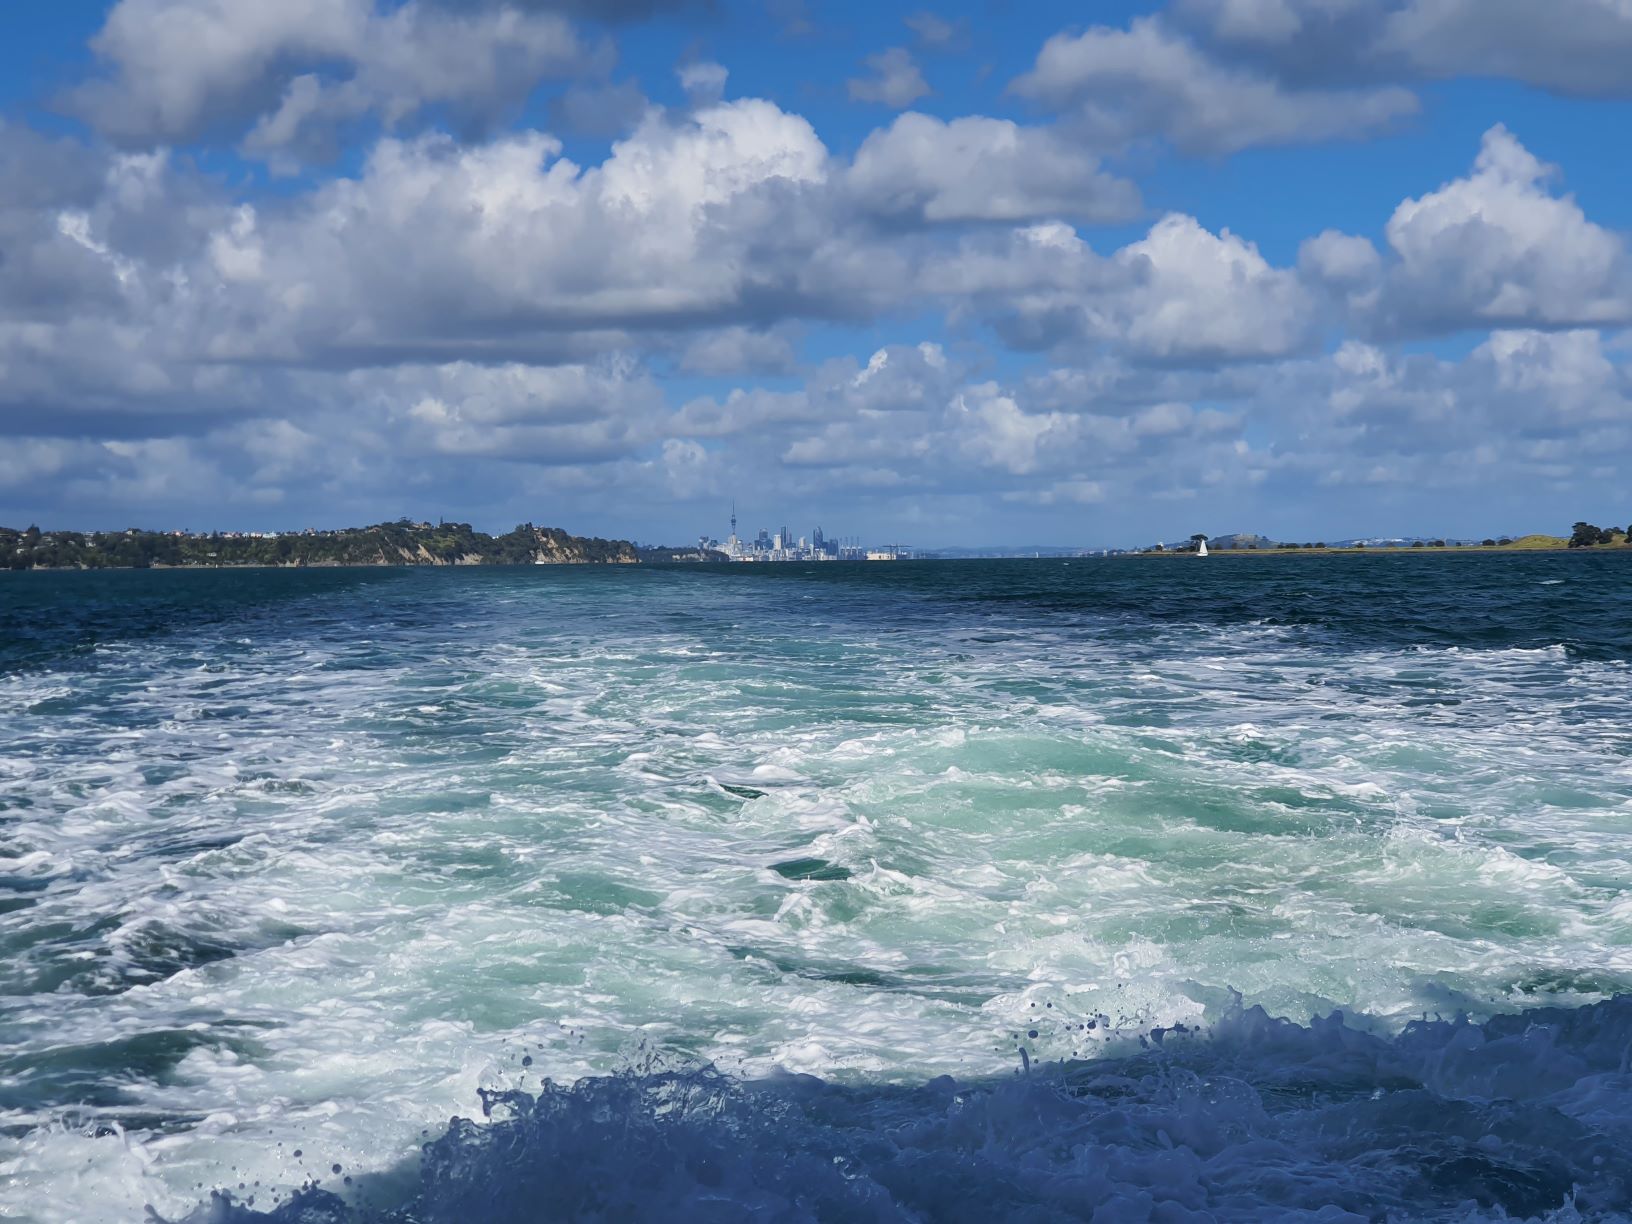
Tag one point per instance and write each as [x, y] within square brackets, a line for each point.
[1201, 548]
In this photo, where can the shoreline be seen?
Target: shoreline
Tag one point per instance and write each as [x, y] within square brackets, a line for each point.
[1382, 550]
[1392, 549]
[331, 565]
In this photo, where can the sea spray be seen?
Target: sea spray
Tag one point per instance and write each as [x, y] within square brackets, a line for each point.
[1517, 1118]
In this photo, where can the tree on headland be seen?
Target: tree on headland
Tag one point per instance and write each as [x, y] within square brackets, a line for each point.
[1488, 543]
[1585, 535]
[382, 544]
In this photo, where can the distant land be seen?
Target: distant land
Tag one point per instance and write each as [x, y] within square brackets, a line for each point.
[400, 543]
[1005, 551]
[409, 543]
[1583, 535]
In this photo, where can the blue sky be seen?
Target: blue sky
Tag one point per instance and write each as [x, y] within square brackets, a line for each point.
[961, 273]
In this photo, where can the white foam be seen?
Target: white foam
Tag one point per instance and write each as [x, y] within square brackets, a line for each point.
[449, 853]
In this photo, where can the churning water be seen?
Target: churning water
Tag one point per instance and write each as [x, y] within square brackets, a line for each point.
[1238, 889]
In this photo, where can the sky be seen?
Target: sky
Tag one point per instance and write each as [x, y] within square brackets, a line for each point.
[975, 273]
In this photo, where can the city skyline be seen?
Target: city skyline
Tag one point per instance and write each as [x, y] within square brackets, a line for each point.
[784, 545]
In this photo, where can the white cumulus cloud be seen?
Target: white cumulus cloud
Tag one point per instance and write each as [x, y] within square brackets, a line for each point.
[1147, 81]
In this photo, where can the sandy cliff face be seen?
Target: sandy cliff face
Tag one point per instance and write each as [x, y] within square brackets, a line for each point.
[553, 554]
[420, 555]
[552, 547]
[556, 547]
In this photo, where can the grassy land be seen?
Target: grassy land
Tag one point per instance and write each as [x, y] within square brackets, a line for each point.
[1529, 543]
[1524, 543]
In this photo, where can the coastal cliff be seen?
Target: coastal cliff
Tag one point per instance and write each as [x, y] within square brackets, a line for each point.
[401, 543]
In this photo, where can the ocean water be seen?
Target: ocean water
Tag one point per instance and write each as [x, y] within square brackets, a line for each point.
[1172, 890]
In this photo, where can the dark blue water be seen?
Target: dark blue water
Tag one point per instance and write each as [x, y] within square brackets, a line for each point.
[917, 891]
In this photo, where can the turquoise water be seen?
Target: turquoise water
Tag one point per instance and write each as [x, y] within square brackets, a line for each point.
[981, 881]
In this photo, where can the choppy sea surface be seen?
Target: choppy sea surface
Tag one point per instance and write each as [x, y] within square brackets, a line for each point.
[1171, 890]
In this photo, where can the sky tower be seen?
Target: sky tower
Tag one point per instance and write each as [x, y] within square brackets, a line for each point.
[733, 546]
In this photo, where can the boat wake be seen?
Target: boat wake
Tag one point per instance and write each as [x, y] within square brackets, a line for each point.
[1522, 1117]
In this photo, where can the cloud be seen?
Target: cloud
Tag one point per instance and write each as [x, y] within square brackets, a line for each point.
[1552, 383]
[700, 237]
[936, 33]
[140, 300]
[95, 310]
[792, 16]
[422, 247]
[1181, 295]
[896, 81]
[1209, 296]
[1344, 269]
[599, 109]
[609, 11]
[703, 81]
[45, 273]
[1539, 410]
[1213, 77]
[1256, 21]
[1575, 47]
[294, 71]
[752, 412]
[1581, 47]
[739, 350]
[1061, 493]
[993, 430]
[979, 169]
[1498, 248]
[1148, 82]
[1339, 259]
[859, 418]
[1299, 43]
[540, 415]
[918, 414]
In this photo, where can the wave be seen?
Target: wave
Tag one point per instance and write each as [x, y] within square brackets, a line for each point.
[1524, 1116]
[290, 873]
